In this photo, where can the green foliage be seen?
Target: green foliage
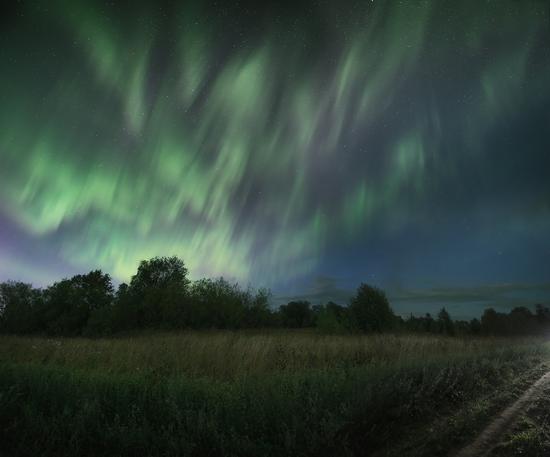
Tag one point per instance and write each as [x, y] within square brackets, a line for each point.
[100, 322]
[520, 321]
[365, 390]
[332, 318]
[160, 296]
[296, 314]
[158, 292]
[371, 310]
[19, 307]
[444, 323]
[159, 273]
[257, 313]
[70, 303]
[218, 303]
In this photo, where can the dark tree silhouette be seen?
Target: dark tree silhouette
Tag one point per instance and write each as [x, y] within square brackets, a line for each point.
[158, 273]
[158, 292]
[490, 322]
[475, 327]
[161, 295]
[445, 323]
[217, 303]
[257, 312]
[371, 310]
[296, 314]
[520, 321]
[19, 307]
[429, 323]
[332, 318]
[542, 313]
[70, 302]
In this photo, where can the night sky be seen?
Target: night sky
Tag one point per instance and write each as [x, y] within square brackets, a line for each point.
[305, 148]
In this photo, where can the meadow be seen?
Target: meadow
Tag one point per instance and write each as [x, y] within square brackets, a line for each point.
[251, 393]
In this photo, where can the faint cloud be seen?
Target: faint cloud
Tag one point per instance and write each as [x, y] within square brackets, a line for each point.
[461, 302]
[482, 292]
[321, 290]
[467, 302]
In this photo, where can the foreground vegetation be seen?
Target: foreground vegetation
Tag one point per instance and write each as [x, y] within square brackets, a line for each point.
[530, 435]
[255, 393]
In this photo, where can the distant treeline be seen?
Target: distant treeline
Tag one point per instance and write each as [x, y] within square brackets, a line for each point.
[160, 296]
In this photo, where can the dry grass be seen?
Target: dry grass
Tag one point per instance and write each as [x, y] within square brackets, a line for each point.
[276, 393]
[227, 355]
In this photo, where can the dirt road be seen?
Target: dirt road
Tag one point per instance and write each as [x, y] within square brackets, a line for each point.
[491, 436]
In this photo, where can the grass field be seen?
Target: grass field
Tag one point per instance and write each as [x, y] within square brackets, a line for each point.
[255, 393]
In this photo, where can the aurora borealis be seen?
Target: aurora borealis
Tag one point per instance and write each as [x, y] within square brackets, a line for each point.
[304, 148]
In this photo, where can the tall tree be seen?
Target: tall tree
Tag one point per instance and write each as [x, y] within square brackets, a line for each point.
[158, 291]
[19, 307]
[445, 323]
[70, 302]
[296, 314]
[371, 309]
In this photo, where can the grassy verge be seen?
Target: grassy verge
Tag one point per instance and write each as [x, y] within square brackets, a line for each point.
[459, 424]
[531, 434]
[265, 394]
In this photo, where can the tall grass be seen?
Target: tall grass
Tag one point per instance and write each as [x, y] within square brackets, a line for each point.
[228, 355]
[251, 394]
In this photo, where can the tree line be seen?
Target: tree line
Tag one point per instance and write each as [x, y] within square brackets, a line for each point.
[161, 296]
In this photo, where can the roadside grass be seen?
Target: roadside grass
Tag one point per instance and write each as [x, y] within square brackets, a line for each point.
[463, 421]
[250, 394]
[530, 435]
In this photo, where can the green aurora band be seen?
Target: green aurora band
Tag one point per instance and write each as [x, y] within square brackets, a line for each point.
[246, 154]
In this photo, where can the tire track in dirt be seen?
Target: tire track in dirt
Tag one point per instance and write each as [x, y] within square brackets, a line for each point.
[492, 434]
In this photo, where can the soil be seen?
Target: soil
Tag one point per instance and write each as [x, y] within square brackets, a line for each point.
[496, 430]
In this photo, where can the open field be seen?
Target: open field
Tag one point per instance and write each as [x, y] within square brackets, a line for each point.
[226, 355]
[256, 393]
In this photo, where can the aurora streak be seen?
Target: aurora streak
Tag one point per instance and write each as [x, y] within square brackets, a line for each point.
[398, 142]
